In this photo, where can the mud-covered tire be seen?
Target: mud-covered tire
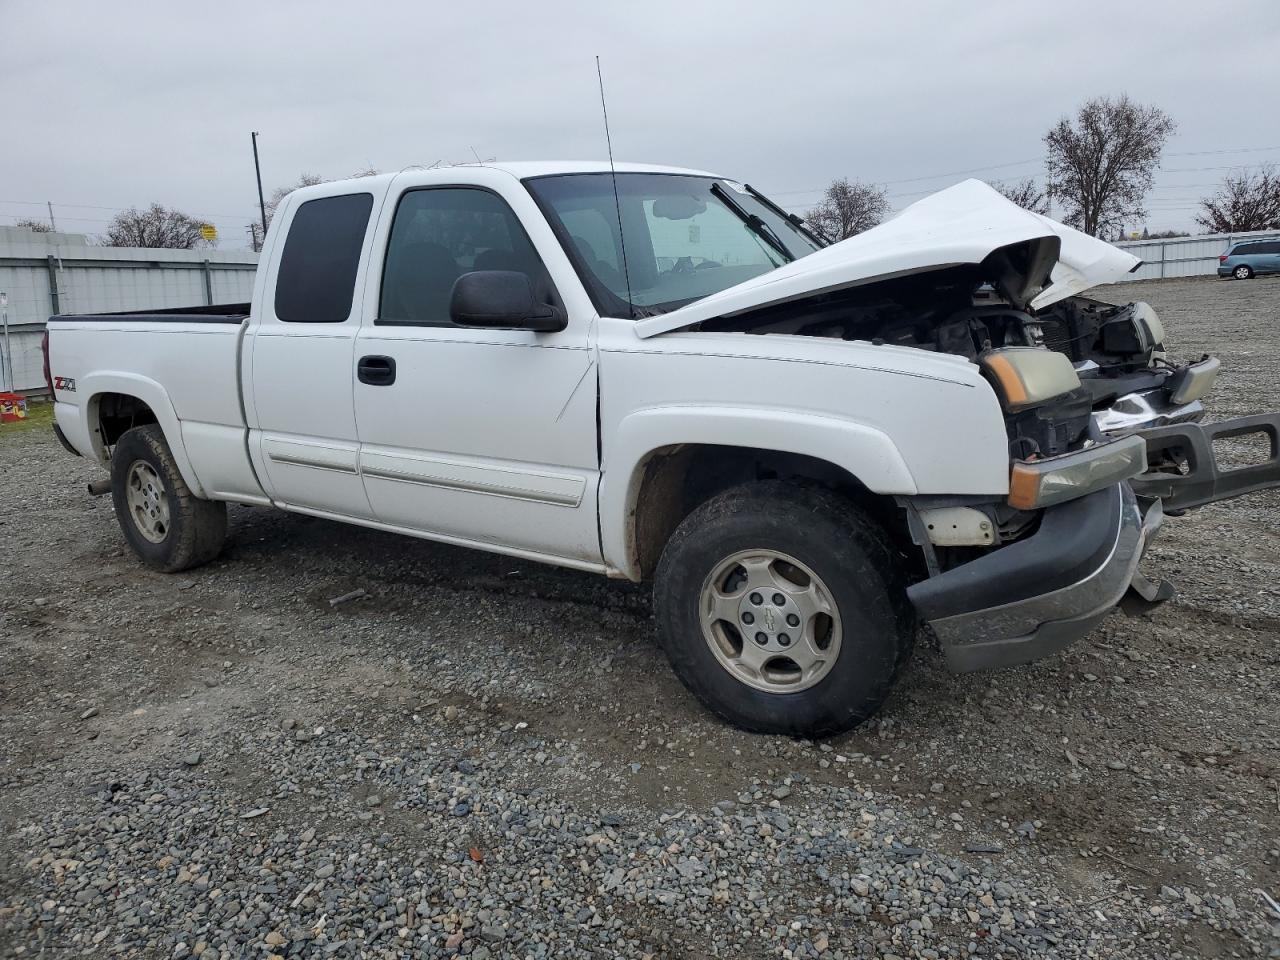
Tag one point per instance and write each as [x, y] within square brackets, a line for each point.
[194, 529]
[857, 566]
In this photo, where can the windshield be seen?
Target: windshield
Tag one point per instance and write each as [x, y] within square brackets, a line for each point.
[685, 237]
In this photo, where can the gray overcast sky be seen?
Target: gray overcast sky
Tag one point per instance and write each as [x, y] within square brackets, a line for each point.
[108, 105]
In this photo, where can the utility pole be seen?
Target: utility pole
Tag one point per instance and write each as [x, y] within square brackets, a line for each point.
[262, 204]
[8, 351]
[53, 224]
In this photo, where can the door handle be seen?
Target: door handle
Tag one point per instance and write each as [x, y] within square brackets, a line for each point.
[377, 371]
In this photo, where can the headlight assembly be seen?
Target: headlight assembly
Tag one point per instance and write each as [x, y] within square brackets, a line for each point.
[1042, 483]
[1026, 376]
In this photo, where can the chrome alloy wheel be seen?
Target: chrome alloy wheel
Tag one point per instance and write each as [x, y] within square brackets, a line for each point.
[770, 621]
[148, 505]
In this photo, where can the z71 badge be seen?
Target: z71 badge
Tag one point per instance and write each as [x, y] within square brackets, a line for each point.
[64, 383]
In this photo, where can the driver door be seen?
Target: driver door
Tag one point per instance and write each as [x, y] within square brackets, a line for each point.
[479, 436]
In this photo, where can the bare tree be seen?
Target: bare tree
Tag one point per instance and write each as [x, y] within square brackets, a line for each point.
[1101, 164]
[1025, 193]
[35, 226]
[847, 209]
[1249, 200]
[156, 226]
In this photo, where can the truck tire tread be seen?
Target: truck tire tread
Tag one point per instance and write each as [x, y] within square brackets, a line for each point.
[198, 527]
[830, 533]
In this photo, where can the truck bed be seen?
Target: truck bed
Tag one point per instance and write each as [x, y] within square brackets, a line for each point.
[183, 363]
[213, 313]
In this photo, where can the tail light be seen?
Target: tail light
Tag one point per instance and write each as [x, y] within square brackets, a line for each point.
[48, 374]
[1223, 258]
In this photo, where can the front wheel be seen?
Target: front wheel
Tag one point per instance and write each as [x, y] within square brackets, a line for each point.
[1242, 272]
[782, 608]
[168, 526]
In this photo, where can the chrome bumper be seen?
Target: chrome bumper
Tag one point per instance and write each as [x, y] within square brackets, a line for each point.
[1138, 411]
[1050, 589]
[1177, 400]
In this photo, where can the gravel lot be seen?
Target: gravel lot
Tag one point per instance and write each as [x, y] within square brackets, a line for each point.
[491, 758]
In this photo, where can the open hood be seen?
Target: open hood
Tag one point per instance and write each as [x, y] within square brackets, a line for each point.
[963, 224]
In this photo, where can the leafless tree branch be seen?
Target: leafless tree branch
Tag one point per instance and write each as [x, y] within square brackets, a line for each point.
[156, 226]
[1249, 200]
[1025, 193]
[1101, 165]
[848, 209]
[36, 226]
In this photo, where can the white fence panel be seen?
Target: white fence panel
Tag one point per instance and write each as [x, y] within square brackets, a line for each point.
[1185, 256]
[46, 273]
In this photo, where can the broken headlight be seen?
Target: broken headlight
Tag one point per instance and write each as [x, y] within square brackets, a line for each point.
[1136, 331]
[1026, 376]
[1193, 382]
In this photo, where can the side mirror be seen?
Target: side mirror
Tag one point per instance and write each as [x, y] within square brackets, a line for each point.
[501, 298]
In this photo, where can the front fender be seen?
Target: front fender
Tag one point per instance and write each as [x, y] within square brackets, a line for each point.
[865, 452]
[154, 396]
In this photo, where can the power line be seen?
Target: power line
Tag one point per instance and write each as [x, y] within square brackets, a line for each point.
[1205, 153]
[933, 176]
[91, 206]
[239, 220]
[1019, 163]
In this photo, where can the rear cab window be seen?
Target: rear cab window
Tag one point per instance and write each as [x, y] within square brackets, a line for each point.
[317, 275]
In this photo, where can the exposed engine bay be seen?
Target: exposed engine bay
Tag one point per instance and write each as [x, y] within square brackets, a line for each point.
[1117, 351]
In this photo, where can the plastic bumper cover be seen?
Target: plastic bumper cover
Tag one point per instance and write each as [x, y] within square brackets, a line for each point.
[62, 439]
[1032, 598]
[1201, 478]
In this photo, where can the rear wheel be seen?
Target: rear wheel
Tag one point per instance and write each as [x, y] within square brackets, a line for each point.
[1242, 272]
[782, 608]
[168, 526]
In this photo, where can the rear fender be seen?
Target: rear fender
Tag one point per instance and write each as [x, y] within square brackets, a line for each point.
[151, 393]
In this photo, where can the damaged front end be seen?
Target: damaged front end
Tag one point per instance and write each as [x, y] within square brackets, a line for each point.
[1040, 593]
[1098, 459]
[1104, 431]
[1099, 456]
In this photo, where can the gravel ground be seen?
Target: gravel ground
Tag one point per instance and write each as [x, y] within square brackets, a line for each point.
[491, 758]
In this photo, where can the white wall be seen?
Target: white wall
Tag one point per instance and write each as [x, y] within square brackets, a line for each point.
[92, 279]
[1185, 256]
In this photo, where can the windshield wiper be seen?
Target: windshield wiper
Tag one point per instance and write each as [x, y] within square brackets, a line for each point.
[791, 218]
[753, 221]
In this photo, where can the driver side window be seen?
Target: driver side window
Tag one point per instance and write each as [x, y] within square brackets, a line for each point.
[440, 233]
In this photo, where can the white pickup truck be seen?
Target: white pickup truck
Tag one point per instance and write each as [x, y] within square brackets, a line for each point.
[657, 374]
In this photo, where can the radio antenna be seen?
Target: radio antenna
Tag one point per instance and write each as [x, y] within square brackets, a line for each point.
[617, 204]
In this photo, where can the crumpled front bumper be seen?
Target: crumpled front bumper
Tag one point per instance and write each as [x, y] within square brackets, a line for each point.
[1186, 471]
[1034, 597]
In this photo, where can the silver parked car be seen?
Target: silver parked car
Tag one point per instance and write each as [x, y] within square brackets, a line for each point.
[1250, 258]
